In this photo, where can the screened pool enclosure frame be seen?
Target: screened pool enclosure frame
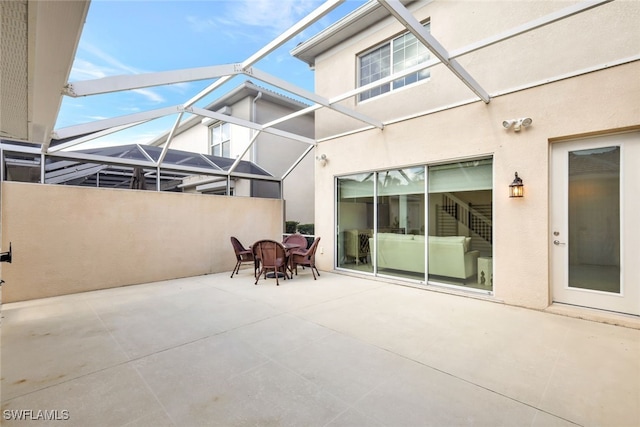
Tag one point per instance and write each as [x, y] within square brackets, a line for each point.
[55, 146]
[123, 166]
[62, 139]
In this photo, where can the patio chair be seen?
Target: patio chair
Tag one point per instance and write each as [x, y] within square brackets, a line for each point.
[297, 239]
[306, 258]
[243, 256]
[273, 257]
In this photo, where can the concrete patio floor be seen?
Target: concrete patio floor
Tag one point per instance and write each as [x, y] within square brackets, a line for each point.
[339, 351]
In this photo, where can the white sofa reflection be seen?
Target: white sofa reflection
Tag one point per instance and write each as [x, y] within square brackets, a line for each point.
[448, 256]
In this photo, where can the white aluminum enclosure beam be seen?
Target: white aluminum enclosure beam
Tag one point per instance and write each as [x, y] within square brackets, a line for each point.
[98, 159]
[293, 115]
[239, 158]
[136, 81]
[99, 125]
[522, 29]
[301, 25]
[78, 172]
[93, 158]
[297, 28]
[297, 162]
[248, 124]
[90, 137]
[407, 19]
[175, 126]
[284, 85]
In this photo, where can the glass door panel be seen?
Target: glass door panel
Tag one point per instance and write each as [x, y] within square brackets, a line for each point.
[594, 219]
[461, 224]
[355, 221]
[400, 242]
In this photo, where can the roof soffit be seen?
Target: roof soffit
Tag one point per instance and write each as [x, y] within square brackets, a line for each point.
[52, 48]
[359, 20]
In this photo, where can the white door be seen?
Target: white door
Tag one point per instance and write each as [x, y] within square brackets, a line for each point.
[595, 222]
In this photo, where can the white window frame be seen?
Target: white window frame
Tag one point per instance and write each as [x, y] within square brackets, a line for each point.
[217, 140]
[414, 78]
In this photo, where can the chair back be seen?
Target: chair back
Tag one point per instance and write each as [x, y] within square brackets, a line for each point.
[309, 253]
[238, 248]
[312, 249]
[271, 253]
[298, 239]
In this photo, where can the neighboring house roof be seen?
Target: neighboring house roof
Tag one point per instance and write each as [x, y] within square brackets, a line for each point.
[114, 165]
[357, 21]
[246, 89]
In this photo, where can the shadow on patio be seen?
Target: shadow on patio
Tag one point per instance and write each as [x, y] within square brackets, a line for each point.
[210, 350]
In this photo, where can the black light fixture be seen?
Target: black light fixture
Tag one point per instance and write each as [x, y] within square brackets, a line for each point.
[516, 188]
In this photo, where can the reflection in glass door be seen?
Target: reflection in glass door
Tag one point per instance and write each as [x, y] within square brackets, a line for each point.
[355, 221]
[400, 244]
[594, 219]
[461, 224]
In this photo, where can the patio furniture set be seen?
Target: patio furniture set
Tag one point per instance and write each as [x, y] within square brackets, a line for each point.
[277, 258]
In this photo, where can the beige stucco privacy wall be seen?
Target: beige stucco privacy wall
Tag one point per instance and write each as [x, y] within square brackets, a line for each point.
[74, 239]
[593, 103]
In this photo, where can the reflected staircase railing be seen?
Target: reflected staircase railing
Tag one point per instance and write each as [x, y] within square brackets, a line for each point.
[476, 218]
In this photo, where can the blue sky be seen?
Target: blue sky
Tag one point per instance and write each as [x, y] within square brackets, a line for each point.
[132, 37]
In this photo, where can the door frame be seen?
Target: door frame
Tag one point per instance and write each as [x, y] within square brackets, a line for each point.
[628, 299]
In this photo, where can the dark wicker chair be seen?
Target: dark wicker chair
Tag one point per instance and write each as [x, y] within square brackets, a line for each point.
[273, 257]
[243, 256]
[306, 258]
[297, 239]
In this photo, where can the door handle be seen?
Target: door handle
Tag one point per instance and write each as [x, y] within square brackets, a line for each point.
[558, 243]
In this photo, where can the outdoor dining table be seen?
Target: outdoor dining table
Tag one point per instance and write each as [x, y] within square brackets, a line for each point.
[288, 248]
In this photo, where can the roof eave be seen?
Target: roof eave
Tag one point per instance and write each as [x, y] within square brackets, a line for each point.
[355, 22]
[247, 88]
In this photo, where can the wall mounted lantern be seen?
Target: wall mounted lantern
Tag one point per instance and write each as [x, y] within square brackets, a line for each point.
[516, 188]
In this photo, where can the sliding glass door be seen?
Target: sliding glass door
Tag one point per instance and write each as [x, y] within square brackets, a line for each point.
[355, 211]
[399, 248]
[384, 218]
[461, 224]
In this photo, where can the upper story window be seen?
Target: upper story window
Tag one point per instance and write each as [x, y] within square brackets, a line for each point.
[392, 57]
[220, 140]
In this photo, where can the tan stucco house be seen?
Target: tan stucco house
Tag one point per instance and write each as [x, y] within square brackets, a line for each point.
[485, 148]
[425, 200]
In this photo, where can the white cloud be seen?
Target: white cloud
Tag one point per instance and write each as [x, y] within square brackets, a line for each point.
[85, 70]
[114, 63]
[275, 15]
[106, 65]
[150, 95]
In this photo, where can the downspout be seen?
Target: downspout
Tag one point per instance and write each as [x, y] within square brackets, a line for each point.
[254, 114]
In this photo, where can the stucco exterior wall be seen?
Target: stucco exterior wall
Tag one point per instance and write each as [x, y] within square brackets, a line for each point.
[195, 140]
[592, 38]
[277, 155]
[594, 103]
[74, 239]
